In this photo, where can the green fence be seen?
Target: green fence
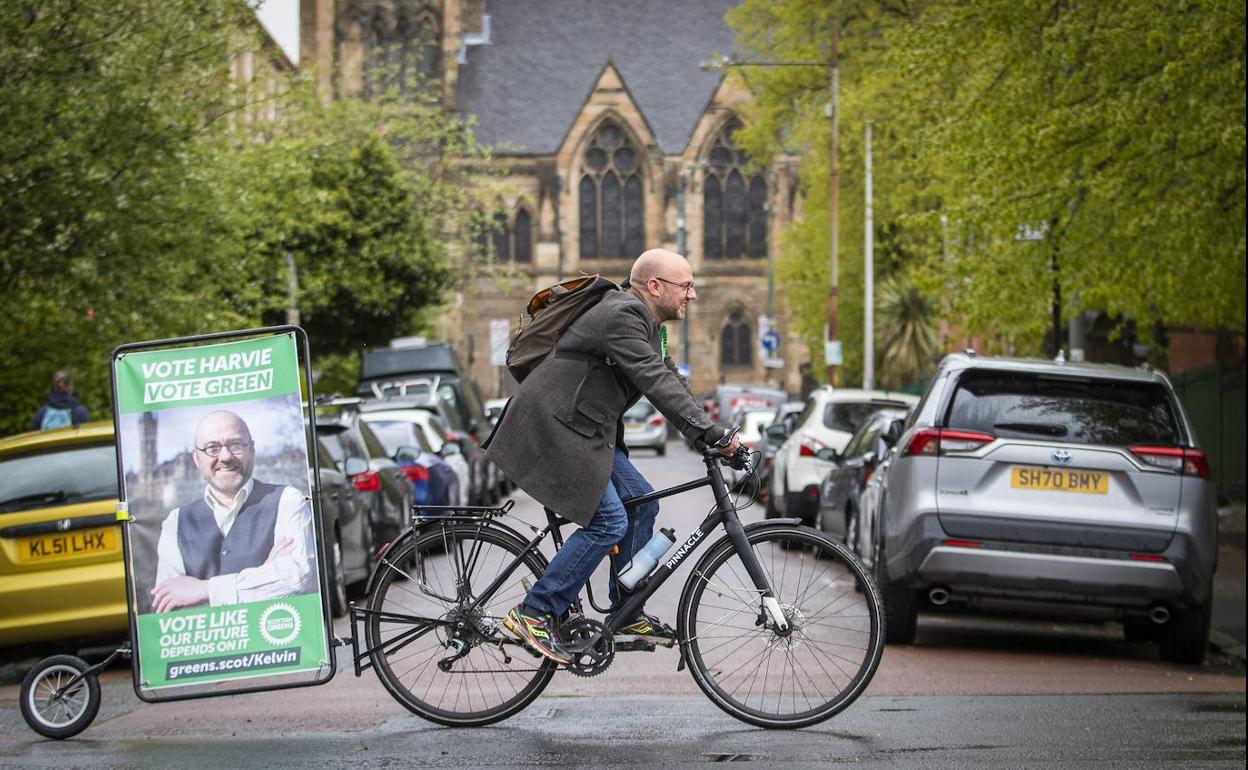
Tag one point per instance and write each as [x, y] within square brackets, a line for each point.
[1214, 398]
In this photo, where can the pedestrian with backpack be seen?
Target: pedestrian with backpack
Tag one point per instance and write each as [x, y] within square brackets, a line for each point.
[61, 410]
[590, 352]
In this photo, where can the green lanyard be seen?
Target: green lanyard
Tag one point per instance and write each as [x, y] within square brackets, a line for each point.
[662, 342]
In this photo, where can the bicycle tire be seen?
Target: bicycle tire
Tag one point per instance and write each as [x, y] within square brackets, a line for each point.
[405, 654]
[833, 662]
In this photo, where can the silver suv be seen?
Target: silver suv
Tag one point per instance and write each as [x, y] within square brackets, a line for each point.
[1035, 484]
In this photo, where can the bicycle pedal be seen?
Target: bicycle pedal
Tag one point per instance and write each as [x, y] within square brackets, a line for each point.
[634, 645]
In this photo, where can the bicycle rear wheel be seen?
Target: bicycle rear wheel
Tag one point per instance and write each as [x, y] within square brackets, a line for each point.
[440, 658]
[773, 677]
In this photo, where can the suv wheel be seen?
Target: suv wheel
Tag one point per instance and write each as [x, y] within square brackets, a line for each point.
[901, 609]
[1185, 637]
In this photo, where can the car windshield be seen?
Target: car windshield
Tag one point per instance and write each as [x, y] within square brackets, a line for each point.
[639, 411]
[76, 475]
[848, 416]
[1066, 409]
[396, 434]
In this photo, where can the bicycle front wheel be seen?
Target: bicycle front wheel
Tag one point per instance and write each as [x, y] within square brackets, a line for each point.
[439, 655]
[782, 677]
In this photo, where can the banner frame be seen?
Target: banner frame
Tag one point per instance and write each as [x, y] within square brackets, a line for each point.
[303, 349]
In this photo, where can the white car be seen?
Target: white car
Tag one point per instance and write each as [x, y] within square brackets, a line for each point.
[829, 420]
[407, 427]
[752, 422]
[645, 428]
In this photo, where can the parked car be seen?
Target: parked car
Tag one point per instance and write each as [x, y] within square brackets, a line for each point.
[434, 481]
[645, 428]
[415, 367]
[1023, 484]
[61, 576]
[840, 493]
[827, 422]
[401, 427]
[373, 472]
[781, 426]
[346, 528]
[751, 421]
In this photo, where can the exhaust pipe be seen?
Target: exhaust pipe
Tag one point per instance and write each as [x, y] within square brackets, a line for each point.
[1158, 614]
[940, 596]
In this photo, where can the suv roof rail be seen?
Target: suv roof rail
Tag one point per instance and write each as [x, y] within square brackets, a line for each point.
[428, 382]
[969, 352]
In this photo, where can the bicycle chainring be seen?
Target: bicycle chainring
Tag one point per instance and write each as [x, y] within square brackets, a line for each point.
[590, 661]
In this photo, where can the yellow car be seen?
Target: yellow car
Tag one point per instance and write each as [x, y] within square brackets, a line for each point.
[61, 573]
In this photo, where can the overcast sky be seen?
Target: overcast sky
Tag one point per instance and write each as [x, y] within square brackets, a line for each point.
[281, 19]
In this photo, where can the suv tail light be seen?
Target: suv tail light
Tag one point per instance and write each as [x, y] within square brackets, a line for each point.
[369, 481]
[1189, 462]
[415, 472]
[810, 446]
[656, 420]
[934, 441]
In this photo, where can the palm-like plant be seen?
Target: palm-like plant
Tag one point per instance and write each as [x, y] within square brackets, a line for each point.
[907, 331]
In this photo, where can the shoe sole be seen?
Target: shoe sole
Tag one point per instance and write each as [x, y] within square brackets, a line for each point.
[532, 643]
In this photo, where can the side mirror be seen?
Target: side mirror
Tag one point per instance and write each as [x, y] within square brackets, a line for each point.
[893, 434]
[777, 431]
[828, 455]
[451, 448]
[354, 466]
[870, 459]
[407, 454]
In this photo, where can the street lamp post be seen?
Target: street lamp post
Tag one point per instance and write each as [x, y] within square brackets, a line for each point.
[832, 347]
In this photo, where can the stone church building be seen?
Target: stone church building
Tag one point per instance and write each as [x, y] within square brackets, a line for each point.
[611, 139]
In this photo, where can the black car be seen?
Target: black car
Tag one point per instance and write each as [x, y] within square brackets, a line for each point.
[841, 490]
[347, 534]
[375, 476]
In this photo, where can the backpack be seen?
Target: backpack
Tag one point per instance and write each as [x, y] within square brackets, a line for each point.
[54, 417]
[550, 312]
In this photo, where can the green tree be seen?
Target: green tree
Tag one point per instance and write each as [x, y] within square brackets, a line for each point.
[906, 330]
[1115, 129]
[139, 202]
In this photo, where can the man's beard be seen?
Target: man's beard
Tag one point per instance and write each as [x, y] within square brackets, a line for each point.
[243, 477]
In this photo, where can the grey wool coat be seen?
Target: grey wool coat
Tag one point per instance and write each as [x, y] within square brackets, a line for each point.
[557, 436]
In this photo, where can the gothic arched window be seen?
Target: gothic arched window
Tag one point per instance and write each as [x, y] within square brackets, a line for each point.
[735, 208]
[500, 237]
[376, 28]
[522, 235]
[417, 51]
[611, 210]
[736, 342]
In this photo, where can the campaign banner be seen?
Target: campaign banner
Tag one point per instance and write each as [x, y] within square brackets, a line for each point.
[222, 551]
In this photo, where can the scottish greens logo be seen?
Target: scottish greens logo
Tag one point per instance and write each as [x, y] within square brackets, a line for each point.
[280, 624]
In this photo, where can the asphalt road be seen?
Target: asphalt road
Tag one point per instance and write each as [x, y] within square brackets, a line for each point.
[970, 692]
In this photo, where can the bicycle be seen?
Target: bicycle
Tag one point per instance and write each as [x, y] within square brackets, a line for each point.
[780, 626]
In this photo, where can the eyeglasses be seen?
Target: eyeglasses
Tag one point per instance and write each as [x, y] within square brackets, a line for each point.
[686, 287]
[213, 449]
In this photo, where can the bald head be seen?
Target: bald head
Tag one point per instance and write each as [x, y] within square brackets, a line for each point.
[664, 281]
[657, 263]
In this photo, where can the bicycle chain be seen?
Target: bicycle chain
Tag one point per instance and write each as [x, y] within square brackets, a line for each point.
[593, 660]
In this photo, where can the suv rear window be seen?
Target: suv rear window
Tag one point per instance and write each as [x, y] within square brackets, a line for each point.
[1077, 411]
[60, 477]
[849, 416]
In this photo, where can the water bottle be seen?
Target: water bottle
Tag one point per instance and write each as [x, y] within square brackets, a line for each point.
[645, 559]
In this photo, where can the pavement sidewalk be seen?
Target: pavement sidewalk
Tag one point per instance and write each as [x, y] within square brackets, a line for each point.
[1227, 633]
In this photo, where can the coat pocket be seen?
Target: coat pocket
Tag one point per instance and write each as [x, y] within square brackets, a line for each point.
[586, 419]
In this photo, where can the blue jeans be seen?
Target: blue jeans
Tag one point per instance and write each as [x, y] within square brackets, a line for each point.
[570, 569]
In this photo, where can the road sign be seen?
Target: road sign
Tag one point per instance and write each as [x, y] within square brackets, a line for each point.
[771, 342]
[833, 354]
[500, 339]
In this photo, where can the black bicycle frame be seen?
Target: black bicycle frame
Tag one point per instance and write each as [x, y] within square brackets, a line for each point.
[724, 513]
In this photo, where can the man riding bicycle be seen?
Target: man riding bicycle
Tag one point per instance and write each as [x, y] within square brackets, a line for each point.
[561, 440]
